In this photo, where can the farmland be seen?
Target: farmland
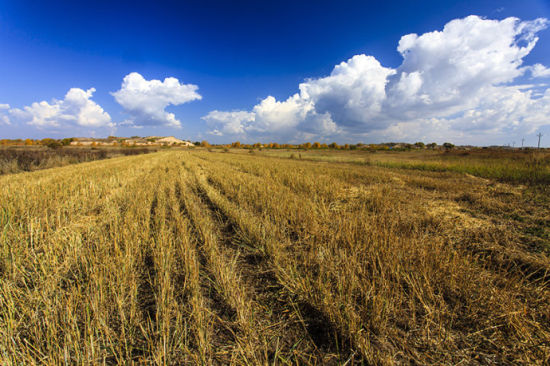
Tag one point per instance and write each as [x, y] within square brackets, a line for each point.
[278, 257]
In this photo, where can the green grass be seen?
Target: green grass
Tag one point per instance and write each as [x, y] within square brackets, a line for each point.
[516, 166]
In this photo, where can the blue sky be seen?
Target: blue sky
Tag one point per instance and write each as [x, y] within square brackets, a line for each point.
[240, 53]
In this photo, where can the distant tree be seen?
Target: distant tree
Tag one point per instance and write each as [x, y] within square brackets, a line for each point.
[432, 145]
[276, 145]
[204, 143]
[135, 137]
[346, 146]
[448, 146]
[324, 146]
[316, 145]
[257, 145]
[66, 141]
[51, 143]
[197, 143]
[333, 145]
[28, 142]
[420, 145]
[307, 145]
[236, 144]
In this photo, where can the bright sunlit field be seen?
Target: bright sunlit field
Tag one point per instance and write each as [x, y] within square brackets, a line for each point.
[277, 257]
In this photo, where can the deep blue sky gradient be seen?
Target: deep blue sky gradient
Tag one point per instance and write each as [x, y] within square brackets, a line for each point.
[235, 51]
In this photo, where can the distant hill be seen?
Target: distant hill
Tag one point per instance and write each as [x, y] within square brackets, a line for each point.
[131, 141]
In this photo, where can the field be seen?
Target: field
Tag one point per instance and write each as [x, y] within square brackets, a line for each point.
[278, 257]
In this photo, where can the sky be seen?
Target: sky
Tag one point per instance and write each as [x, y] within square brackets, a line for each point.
[467, 72]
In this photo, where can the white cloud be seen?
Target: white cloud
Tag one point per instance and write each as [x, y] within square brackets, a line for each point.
[539, 71]
[445, 71]
[146, 100]
[232, 123]
[75, 109]
[453, 83]
[4, 119]
[353, 93]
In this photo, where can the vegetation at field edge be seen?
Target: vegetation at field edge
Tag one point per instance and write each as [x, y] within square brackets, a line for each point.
[15, 159]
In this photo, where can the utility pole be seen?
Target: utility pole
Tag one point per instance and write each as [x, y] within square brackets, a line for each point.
[522, 139]
[539, 135]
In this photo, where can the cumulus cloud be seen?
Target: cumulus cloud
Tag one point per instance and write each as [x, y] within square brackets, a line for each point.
[353, 94]
[233, 123]
[456, 81]
[146, 100]
[539, 71]
[76, 109]
[4, 119]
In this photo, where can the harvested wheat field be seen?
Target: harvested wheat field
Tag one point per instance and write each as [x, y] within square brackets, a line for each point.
[196, 257]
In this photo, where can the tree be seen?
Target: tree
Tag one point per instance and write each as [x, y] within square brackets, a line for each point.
[333, 145]
[316, 145]
[448, 146]
[307, 145]
[432, 145]
[205, 143]
[324, 146]
[420, 145]
[51, 143]
[66, 141]
[28, 142]
[257, 145]
[236, 144]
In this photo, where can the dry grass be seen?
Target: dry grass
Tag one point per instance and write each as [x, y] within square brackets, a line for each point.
[197, 257]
